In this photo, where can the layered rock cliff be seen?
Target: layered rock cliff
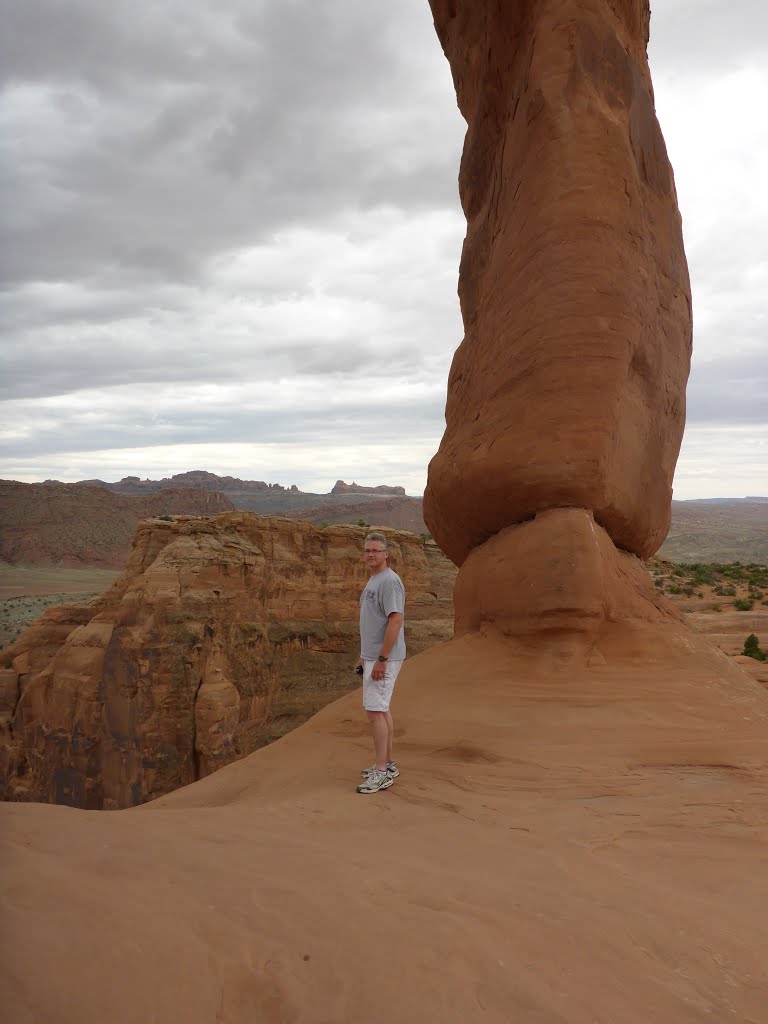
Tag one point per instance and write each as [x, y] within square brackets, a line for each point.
[568, 389]
[222, 634]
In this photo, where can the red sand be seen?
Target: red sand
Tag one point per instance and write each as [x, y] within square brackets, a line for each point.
[576, 836]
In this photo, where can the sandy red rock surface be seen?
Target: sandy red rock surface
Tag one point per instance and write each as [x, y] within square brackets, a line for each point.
[578, 834]
[565, 843]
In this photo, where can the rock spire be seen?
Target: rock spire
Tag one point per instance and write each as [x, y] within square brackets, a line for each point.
[568, 390]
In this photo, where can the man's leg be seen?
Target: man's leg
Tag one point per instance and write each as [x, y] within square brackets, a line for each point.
[381, 737]
[390, 735]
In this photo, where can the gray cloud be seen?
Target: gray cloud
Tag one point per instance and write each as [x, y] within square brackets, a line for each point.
[729, 389]
[702, 36]
[187, 130]
[222, 223]
[131, 424]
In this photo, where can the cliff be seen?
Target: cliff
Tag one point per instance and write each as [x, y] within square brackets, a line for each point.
[222, 635]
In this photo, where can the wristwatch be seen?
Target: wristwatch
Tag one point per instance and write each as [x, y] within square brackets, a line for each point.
[382, 658]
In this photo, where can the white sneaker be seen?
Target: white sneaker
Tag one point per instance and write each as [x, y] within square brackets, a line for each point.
[392, 770]
[376, 780]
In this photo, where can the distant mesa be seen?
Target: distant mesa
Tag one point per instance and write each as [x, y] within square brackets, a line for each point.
[198, 478]
[342, 488]
[203, 480]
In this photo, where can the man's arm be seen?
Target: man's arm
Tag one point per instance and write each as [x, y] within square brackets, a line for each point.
[394, 622]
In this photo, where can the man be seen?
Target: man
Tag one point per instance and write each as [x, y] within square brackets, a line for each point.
[382, 651]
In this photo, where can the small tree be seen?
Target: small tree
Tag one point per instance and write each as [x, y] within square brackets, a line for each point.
[752, 648]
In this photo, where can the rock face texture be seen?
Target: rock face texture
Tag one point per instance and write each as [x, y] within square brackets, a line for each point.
[222, 635]
[569, 386]
[75, 524]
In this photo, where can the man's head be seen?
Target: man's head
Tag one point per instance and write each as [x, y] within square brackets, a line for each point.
[376, 553]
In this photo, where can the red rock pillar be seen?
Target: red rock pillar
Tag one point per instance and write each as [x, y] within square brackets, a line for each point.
[568, 389]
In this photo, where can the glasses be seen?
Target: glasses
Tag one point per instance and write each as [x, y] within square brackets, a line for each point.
[374, 551]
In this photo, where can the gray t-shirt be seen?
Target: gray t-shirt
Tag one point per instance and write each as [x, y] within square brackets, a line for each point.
[384, 593]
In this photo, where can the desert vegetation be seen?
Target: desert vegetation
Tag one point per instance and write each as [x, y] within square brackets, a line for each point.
[752, 648]
[734, 584]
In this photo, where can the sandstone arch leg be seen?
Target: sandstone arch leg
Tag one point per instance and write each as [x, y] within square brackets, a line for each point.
[569, 386]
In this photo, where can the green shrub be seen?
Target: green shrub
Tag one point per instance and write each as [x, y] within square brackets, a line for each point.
[752, 648]
[741, 605]
[716, 607]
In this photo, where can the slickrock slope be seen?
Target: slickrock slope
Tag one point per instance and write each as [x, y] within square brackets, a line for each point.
[73, 524]
[569, 386]
[574, 837]
[222, 634]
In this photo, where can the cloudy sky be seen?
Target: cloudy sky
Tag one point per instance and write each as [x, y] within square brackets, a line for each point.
[231, 234]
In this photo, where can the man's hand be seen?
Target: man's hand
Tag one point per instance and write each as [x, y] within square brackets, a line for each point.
[379, 670]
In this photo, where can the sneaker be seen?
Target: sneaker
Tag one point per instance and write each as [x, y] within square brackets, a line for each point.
[375, 781]
[392, 770]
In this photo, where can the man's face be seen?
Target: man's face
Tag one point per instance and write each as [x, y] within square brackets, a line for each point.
[375, 555]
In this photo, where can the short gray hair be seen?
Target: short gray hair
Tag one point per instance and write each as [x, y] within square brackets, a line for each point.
[379, 537]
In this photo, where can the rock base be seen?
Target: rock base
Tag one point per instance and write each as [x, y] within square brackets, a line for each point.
[557, 573]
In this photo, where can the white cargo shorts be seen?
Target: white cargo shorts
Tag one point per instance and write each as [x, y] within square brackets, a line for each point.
[377, 693]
